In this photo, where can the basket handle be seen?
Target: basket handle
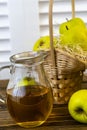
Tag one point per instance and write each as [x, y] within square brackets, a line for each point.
[51, 27]
[73, 8]
[53, 58]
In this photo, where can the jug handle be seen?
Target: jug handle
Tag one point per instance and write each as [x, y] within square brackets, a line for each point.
[1, 68]
[2, 100]
[5, 67]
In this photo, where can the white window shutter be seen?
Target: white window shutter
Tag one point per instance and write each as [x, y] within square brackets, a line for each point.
[62, 9]
[5, 46]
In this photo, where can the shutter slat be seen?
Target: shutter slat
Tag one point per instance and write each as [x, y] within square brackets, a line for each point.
[61, 7]
[4, 33]
[61, 10]
[3, 12]
[4, 56]
[4, 22]
[58, 18]
[3, 8]
[3, 1]
[5, 46]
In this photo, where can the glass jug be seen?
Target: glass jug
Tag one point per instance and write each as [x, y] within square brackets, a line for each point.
[29, 94]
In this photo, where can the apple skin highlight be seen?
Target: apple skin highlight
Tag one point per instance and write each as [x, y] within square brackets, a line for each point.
[77, 106]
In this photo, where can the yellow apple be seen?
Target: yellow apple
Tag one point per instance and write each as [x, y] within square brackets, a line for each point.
[70, 24]
[75, 37]
[77, 106]
[44, 43]
[26, 81]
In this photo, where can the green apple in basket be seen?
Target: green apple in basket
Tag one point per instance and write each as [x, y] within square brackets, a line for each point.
[75, 37]
[77, 106]
[70, 24]
[44, 43]
[73, 33]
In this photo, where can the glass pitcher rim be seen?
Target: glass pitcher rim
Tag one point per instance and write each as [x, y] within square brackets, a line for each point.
[27, 56]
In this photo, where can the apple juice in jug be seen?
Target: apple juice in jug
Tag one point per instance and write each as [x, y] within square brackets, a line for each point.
[29, 108]
[29, 94]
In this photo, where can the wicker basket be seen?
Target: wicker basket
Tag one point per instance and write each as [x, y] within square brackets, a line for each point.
[66, 73]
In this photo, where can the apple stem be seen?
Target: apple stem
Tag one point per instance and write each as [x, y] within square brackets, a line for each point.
[67, 27]
[67, 19]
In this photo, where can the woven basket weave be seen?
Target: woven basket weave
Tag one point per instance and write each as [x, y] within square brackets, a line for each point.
[68, 73]
[64, 70]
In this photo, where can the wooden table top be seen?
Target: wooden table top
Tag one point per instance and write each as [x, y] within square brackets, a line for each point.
[58, 120]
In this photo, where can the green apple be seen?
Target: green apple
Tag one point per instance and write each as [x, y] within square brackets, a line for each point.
[44, 43]
[77, 106]
[20, 89]
[75, 37]
[70, 24]
[26, 81]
